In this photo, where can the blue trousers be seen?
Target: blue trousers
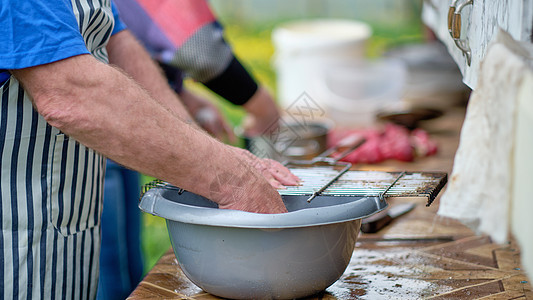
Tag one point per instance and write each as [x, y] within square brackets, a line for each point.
[121, 262]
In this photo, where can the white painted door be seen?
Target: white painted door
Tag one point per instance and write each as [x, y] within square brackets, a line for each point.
[479, 21]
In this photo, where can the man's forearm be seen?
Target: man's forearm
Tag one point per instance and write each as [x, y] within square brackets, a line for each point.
[105, 110]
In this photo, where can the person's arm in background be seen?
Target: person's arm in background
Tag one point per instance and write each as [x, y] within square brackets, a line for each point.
[263, 113]
[207, 58]
[207, 115]
[125, 52]
[149, 75]
[184, 35]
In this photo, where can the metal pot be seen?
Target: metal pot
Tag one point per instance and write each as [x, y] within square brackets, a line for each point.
[292, 141]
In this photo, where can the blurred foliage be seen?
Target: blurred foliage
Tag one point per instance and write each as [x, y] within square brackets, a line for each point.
[154, 236]
[252, 45]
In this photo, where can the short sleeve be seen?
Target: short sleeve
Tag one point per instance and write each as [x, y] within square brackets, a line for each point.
[119, 25]
[38, 32]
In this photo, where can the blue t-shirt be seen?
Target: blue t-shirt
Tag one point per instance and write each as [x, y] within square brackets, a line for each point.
[39, 32]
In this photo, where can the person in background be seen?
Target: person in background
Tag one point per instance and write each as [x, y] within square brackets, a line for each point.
[184, 37]
[71, 96]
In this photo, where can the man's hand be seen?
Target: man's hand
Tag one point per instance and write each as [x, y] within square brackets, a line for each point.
[240, 191]
[234, 190]
[276, 174]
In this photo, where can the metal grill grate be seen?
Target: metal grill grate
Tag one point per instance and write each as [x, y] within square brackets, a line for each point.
[354, 183]
[367, 183]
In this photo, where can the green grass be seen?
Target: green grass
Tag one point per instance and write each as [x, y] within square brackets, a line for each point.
[253, 47]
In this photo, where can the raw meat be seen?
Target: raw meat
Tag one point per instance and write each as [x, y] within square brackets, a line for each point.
[391, 142]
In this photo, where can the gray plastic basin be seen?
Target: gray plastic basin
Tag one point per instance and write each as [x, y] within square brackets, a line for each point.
[241, 255]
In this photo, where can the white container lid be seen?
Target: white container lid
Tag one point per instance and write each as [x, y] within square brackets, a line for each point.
[319, 33]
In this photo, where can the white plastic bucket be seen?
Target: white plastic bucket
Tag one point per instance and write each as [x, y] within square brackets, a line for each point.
[304, 48]
[352, 93]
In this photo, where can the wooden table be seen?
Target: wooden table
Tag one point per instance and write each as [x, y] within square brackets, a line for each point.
[419, 255]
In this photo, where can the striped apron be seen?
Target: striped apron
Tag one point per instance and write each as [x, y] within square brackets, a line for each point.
[50, 190]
